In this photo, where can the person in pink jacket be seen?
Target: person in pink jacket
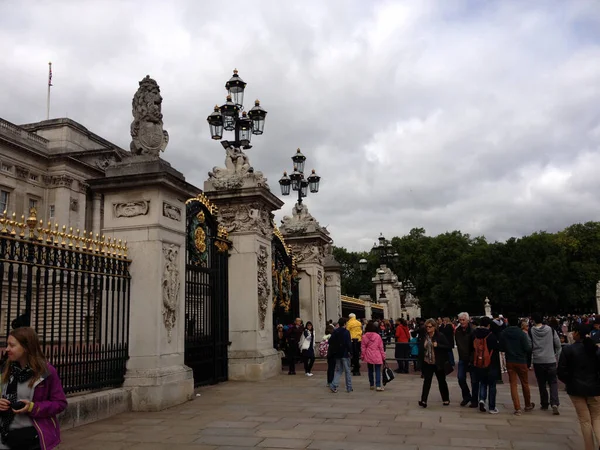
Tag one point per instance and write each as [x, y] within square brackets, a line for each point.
[373, 354]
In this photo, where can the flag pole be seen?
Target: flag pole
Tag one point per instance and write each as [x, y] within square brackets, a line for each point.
[49, 84]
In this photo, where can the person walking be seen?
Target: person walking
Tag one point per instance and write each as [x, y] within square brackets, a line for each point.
[402, 351]
[32, 395]
[340, 349]
[307, 347]
[485, 366]
[447, 330]
[516, 345]
[294, 334]
[464, 345]
[433, 353]
[579, 368]
[545, 350]
[324, 353]
[355, 329]
[373, 354]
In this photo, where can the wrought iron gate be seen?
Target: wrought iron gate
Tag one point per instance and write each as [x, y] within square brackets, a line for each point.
[286, 305]
[206, 294]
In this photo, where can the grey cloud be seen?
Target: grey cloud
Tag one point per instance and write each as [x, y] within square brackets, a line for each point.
[437, 114]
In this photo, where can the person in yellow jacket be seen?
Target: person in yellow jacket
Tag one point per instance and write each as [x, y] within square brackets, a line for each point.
[355, 329]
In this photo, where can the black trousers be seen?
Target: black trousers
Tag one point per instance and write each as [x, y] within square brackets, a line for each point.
[355, 357]
[428, 371]
[308, 363]
[402, 352]
[292, 355]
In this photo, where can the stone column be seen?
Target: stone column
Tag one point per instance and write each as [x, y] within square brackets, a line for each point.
[333, 289]
[245, 208]
[368, 311]
[311, 246]
[389, 282]
[598, 297]
[96, 210]
[134, 193]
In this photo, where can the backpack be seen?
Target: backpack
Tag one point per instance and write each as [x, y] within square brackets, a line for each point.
[323, 348]
[482, 357]
[333, 345]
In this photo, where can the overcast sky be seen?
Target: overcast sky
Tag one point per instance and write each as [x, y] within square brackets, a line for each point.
[474, 115]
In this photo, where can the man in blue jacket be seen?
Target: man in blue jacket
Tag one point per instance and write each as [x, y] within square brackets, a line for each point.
[340, 348]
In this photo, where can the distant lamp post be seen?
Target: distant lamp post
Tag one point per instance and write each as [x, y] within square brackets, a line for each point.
[296, 180]
[381, 275]
[362, 264]
[385, 250]
[227, 116]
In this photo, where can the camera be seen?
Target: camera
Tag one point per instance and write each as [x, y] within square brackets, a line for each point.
[17, 406]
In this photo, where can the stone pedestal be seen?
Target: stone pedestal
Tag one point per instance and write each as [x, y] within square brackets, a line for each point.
[134, 194]
[311, 246]
[487, 307]
[333, 289]
[247, 214]
[389, 285]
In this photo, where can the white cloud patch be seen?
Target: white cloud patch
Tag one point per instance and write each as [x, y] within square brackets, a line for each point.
[448, 114]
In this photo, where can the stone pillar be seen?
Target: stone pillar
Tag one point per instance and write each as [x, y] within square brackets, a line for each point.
[388, 284]
[333, 289]
[487, 307]
[598, 297]
[311, 246]
[245, 208]
[96, 209]
[368, 311]
[134, 192]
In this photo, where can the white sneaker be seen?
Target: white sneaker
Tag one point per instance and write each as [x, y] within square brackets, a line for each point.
[309, 374]
[494, 411]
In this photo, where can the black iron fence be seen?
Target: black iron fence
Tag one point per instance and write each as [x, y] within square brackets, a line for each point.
[74, 291]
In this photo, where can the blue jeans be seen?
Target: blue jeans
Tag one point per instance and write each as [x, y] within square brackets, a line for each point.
[342, 365]
[463, 369]
[451, 357]
[377, 368]
[485, 382]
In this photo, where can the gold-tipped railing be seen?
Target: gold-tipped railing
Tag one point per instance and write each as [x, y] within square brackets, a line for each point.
[54, 235]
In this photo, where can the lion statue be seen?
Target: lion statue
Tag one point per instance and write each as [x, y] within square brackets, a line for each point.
[147, 134]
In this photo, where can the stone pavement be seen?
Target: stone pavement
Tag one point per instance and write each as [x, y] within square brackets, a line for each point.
[290, 412]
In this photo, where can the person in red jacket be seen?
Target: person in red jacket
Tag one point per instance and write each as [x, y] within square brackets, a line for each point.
[402, 352]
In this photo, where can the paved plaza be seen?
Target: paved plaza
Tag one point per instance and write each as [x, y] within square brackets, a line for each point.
[300, 412]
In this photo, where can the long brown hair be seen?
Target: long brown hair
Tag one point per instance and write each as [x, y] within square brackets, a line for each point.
[28, 338]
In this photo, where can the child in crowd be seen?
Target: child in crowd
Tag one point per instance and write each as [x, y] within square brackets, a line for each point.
[414, 349]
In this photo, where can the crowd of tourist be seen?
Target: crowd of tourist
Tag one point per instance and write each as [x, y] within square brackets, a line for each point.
[480, 349]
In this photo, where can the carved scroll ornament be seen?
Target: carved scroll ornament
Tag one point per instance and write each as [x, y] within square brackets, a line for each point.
[172, 212]
[131, 209]
[320, 296]
[170, 284]
[247, 217]
[263, 290]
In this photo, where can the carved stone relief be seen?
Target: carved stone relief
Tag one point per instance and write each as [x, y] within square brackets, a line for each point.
[22, 172]
[83, 187]
[147, 135]
[172, 212]
[131, 209]
[328, 279]
[104, 162]
[236, 173]
[264, 291]
[74, 204]
[247, 217]
[320, 296]
[170, 284]
[301, 222]
[309, 253]
[58, 181]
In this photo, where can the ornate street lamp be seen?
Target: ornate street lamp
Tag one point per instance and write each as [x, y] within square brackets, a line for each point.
[385, 250]
[297, 181]
[381, 275]
[227, 116]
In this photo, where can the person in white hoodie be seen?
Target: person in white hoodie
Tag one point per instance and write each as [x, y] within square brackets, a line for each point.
[545, 352]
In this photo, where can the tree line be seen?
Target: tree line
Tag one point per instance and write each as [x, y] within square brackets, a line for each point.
[550, 273]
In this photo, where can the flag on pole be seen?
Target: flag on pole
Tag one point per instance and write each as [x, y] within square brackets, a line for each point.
[49, 74]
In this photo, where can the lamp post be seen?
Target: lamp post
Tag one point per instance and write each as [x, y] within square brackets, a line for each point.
[231, 116]
[385, 250]
[381, 275]
[296, 180]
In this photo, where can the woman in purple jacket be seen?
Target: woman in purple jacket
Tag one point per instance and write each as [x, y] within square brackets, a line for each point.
[32, 395]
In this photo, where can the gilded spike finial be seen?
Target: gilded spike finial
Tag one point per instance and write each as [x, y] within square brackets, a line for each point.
[70, 237]
[77, 239]
[83, 241]
[40, 231]
[4, 222]
[125, 249]
[22, 227]
[13, 223]
[62, 236]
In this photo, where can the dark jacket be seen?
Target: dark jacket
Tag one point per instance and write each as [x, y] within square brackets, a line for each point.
[294, 334]
[441, 351]
[492, 344]
[516, 344]
[448, 331]
[340, 344]
[464, 342]
[579, 371]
